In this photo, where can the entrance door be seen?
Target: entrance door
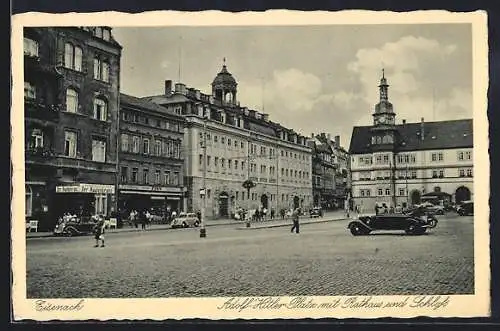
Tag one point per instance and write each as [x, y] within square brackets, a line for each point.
[264, 201]
[223, 204]
[296, 202]
[415, 197]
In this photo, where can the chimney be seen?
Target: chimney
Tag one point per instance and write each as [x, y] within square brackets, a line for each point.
[312, 135]
[329, 136]
[404, 122]
[337, 141]
[422, 132]
[197, 93]
[168, 87]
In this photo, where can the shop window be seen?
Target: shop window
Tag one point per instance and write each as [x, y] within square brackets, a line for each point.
[101, 204]
[29, 200]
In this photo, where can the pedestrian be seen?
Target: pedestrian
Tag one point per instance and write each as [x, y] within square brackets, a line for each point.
[295, 219]
[272, 213]
[198, 215]
[99, 233]
[143, 219]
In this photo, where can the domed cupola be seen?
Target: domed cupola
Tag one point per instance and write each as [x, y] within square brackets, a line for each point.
[224, 86]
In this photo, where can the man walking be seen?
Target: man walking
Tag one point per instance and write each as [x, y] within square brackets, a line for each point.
[99, 233]
[295, 219]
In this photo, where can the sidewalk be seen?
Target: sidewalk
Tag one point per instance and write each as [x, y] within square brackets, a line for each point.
[241, 225]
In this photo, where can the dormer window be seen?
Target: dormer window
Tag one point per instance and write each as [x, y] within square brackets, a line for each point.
[106, 34]
[98, 32]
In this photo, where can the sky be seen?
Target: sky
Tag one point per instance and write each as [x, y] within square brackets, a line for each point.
[311, 78]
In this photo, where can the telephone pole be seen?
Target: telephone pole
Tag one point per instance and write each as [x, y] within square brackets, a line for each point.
[203, 231]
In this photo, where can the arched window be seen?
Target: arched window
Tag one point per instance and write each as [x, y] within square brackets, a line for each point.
[71, 100]
[100, 109]
[29, 200]
[73, 57]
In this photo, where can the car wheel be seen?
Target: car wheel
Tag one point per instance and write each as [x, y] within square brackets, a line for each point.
[411, 230]
[184, 224]
[196, 223]
[356, 230]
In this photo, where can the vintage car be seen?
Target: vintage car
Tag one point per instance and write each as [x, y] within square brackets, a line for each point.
[466, 208]
[316, 212]
[415, 222]
[73, 226]
[185, 220]
[432, 208]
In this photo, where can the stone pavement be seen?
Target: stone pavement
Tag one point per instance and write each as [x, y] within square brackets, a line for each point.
[324, 259]
[328, 216]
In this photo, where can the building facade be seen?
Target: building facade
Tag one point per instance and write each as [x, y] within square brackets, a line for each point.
[151, 162]
[399, 164]
[241, 144]
[330, 171]
[71, 84]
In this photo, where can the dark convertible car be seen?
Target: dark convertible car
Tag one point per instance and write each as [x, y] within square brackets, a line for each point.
[414, 223]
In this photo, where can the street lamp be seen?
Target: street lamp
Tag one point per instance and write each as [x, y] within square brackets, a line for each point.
[203, 231]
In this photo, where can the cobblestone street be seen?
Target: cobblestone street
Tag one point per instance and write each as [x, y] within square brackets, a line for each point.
[324, 259]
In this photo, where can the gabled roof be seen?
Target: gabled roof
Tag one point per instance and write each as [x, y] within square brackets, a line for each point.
[437, 135]
[129, 100]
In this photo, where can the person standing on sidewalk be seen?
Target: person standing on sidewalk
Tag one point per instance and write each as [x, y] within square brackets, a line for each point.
[295, 219]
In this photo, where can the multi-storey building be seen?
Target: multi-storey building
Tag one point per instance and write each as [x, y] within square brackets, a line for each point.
[398, 164]
[71, 83]
[151, 162]
[330, 171]
[241, 144]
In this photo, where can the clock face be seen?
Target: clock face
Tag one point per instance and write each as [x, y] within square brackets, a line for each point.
[381, 119]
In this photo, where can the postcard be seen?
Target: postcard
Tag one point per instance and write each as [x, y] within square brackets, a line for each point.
[254, 165]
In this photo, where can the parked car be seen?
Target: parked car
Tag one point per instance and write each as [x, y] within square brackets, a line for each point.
[185, 220]
[416, 222]
[466, 208]
[316, 212]
[74, 227]
[432, 208]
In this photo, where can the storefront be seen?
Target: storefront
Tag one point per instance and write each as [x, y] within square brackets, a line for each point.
[157, 199]
[84, 199]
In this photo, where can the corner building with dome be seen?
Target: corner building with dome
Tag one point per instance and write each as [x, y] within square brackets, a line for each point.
[408, 163]
[241, 144]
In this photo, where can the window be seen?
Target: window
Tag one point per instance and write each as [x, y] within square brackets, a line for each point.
[380, 192]
[222, 162]
[124, 142]
[158, 147]
[73, 57]
[30, 47]
[401, 191]
[434, 174]
[413, 174]
[70, 142]
[460, 156]
[98, 32]
[200, 163]
[469, 172]
[36, 138]
[71, 100]
[101, 70]
[145, 146]
[468, 155]
[29, 200]
[134, 175]
[176, 178]
[387, 191]
[368, 193]
[208, 161]
[386, 159]
[29, 91]
[98, 150]
[362, 192]
[100, 110]
[228, 142]
[145, 176]
[242, 144]
[441, 173]
[166, 178]
[106, 35]
[223, 140]
[242, 165]
[101, 204]
[229, 164]
[135, 146]
[124, 174]
[462, 172]
[236, 164]
[216, 162]
[157, 177]
[440, 156]
[434, 157]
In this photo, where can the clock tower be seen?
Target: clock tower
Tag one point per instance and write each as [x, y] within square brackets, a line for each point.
[384, 126]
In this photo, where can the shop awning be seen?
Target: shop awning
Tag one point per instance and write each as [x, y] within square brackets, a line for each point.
[86, 188]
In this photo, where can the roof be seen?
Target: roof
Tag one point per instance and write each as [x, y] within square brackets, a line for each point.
[224, 77]
[437, 135]
[126, 99]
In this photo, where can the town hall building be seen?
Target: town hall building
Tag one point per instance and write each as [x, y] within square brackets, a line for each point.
[402, 164]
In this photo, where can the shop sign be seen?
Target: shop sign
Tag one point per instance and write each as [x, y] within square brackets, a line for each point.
[154, 188]
[86, 188]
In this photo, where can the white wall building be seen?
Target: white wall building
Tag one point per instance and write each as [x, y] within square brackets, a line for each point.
[241, 144]
[397, 164]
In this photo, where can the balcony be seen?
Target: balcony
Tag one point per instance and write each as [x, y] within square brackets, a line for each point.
[38, 110]
[39, 155]
[49, 158]
[35, 65]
